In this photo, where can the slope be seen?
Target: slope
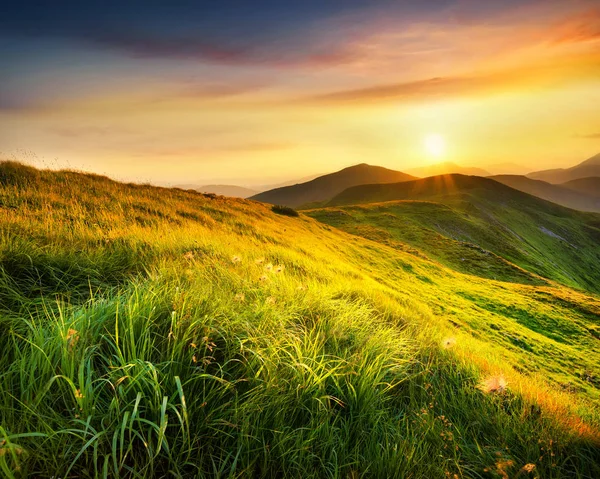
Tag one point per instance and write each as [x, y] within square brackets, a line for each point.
[575, 196]
[588, 186]
[151, 332]
[588, 168]
[326, 187]
[541, 237]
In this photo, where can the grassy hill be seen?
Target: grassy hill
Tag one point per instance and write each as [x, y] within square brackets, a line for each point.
[541, 237]
[326, 187]
[577, 195]
[586, 169]
[152, 332]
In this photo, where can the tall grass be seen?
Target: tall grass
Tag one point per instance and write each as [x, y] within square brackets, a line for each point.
[234, 342]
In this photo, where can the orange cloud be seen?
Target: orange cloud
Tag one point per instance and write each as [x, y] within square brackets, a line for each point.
[581, 27]
[543, 75]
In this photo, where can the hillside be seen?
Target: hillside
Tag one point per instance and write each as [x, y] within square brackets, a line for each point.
[576, 196]
[326, 187]
[588, 168]
[540, 237]
[225, 190]
[446, 168]
[589, 186]
[153, 332]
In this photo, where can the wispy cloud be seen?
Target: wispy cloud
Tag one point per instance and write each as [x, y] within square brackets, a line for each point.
[198, 151]
[590, 136]
[446, 87]
[583, 26]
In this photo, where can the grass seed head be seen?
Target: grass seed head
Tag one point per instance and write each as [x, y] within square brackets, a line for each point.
[493, 384]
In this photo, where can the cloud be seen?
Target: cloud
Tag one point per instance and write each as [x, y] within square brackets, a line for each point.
[243, 147]
[591, 136]
[541, 75]
[582, 26]
[441, 86]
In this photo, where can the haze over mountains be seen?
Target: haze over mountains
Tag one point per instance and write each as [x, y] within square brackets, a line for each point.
[589, 168]
[224, 190]
[446, 168]
[578, 194]
[590, 186]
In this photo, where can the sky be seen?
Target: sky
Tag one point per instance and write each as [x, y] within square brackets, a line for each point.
[255, 92]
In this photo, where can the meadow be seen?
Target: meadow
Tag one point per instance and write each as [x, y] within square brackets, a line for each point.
[153, 332]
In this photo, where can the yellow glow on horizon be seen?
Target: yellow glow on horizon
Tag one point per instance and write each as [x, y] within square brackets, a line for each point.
[435, 144]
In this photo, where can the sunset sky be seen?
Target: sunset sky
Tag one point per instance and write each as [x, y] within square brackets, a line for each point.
[252, 92]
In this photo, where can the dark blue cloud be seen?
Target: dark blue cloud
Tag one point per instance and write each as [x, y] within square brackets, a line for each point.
[221, 31]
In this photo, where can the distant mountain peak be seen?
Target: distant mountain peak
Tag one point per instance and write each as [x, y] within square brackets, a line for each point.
[327, 186]
[593, 161]
[588, 168]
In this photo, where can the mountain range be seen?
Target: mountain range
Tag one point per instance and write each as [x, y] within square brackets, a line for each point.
[577, 194]
[589, 168]
[325, 187]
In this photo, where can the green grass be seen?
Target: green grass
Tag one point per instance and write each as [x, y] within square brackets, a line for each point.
[479, 226]
[147, 332]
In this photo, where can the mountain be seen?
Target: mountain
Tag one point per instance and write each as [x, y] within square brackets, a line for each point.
[588, 168]
[225, 190]
[297, 181]
[157, 332]
[589, 186]
[326, 187]
[575, 196]
[446, 168]
[538, 236]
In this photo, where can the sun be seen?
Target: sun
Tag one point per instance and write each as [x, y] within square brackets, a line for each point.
[435, 144]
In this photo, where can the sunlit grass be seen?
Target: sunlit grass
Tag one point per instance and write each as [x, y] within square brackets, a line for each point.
[147, 332]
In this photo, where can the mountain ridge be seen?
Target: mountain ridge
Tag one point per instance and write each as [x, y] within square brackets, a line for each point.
[323, 188]
[585, 169]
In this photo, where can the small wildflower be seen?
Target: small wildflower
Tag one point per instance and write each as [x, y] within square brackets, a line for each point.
[260, 261]
[279, 268]
[528, 467]
[193, 345]
[269, 267]
[493, 384]
[72, 338]
[449, 342]
[236, 259]
[189, 255]
[270, 300]
[78, 394]
[263, 278]
[194, 359]
[240, 297]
